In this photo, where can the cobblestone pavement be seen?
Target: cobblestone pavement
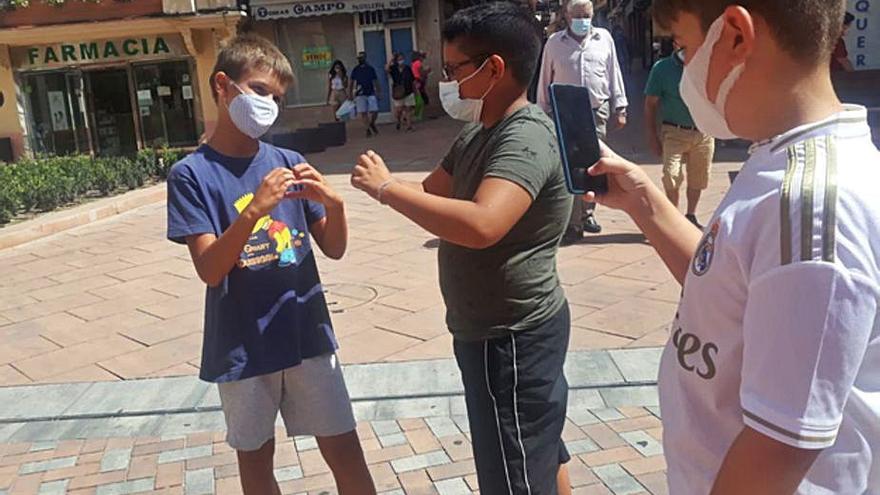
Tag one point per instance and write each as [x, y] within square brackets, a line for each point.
[614, 450]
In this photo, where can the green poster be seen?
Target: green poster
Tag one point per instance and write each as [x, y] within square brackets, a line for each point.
[317, 57]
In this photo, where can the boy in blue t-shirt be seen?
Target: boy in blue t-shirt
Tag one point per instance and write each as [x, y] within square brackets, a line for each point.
[248, 212]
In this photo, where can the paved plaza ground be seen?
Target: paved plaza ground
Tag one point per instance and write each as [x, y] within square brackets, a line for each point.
[111, 311]
[114, 300]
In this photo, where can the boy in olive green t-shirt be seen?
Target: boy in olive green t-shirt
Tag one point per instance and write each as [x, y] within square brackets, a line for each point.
[499, 204]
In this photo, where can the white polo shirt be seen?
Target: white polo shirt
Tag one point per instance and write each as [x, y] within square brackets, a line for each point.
[778, 328]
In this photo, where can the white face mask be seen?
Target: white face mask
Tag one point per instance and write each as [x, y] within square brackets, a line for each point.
[708, 116]
[252, 114]
[467, 110]
[581, 26]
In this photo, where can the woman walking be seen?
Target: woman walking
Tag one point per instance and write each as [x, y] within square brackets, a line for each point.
[337, 82]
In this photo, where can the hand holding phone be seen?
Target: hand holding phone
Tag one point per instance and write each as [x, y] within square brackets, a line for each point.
[629, 187]
[578, 140]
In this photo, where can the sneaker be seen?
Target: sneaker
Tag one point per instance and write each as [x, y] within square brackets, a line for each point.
[693, 219]
[398, 126]
[571, 237]
[591, 225]
[369, 133]
[375, 129]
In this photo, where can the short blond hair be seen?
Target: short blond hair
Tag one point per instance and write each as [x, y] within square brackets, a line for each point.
[247, 52]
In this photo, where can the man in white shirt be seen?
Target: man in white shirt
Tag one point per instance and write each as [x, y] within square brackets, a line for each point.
[585, 55]
[770, 383]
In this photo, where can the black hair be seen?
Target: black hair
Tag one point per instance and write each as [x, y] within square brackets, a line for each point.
[338, 63]
[848, 18]
[807, 29]
[498, 28]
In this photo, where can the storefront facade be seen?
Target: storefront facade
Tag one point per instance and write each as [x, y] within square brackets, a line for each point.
[110, 87]
[315, 34]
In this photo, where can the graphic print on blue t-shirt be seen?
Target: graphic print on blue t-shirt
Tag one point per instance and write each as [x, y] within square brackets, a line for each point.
[270, 240]
[270, 312]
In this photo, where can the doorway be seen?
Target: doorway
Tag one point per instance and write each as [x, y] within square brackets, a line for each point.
[377, 56]
[113, 129]
[379, 41]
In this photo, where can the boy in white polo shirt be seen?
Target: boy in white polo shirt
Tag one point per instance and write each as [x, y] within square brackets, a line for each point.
[770, 383]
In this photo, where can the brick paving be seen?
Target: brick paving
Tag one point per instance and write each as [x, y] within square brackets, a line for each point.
[619, 455]
[115, 301]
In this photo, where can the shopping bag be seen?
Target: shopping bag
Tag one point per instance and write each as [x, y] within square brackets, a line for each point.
[420, 106]
[346, 110]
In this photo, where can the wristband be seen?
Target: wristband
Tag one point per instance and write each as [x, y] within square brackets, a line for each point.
[385, 185]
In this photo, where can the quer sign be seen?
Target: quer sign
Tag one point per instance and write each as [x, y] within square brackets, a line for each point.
[863, 40]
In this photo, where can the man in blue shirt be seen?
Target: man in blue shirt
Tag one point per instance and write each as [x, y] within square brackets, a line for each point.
[367, 91]
[248, 212]
[678, 142]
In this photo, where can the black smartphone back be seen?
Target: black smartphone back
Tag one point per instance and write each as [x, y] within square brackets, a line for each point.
[578, 141]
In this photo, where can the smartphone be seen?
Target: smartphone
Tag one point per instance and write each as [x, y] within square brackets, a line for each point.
[298, 188]
[578, 141]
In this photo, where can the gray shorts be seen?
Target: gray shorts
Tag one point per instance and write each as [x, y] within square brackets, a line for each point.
[311, 397]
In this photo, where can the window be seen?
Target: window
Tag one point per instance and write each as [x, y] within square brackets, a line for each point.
[56, 110]
[312, 44]
[166, 104]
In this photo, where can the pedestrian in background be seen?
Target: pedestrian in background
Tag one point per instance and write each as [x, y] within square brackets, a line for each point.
[421, 71]
[584, 55]
[337, 87]
[403, 91]
[364, 85]
[679, 143]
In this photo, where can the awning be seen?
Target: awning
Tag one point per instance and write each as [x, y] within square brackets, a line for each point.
[307, 9]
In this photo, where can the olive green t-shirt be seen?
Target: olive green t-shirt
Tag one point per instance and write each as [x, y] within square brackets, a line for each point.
[513, 285]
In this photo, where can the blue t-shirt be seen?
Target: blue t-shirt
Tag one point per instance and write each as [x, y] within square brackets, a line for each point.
[364, 76]
[269, 314]
[663, 82]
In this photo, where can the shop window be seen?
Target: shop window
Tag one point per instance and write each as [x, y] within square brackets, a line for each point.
[56, 113]
[165, 99]
[312, 44]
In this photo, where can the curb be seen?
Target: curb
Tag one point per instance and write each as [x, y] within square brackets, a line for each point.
[78, 216]
[427, 382]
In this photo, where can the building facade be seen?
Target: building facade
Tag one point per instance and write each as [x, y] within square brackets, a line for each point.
[313, 34]
[108, 77]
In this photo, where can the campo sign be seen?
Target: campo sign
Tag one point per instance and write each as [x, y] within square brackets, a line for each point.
[96, 51]
[307, 9]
